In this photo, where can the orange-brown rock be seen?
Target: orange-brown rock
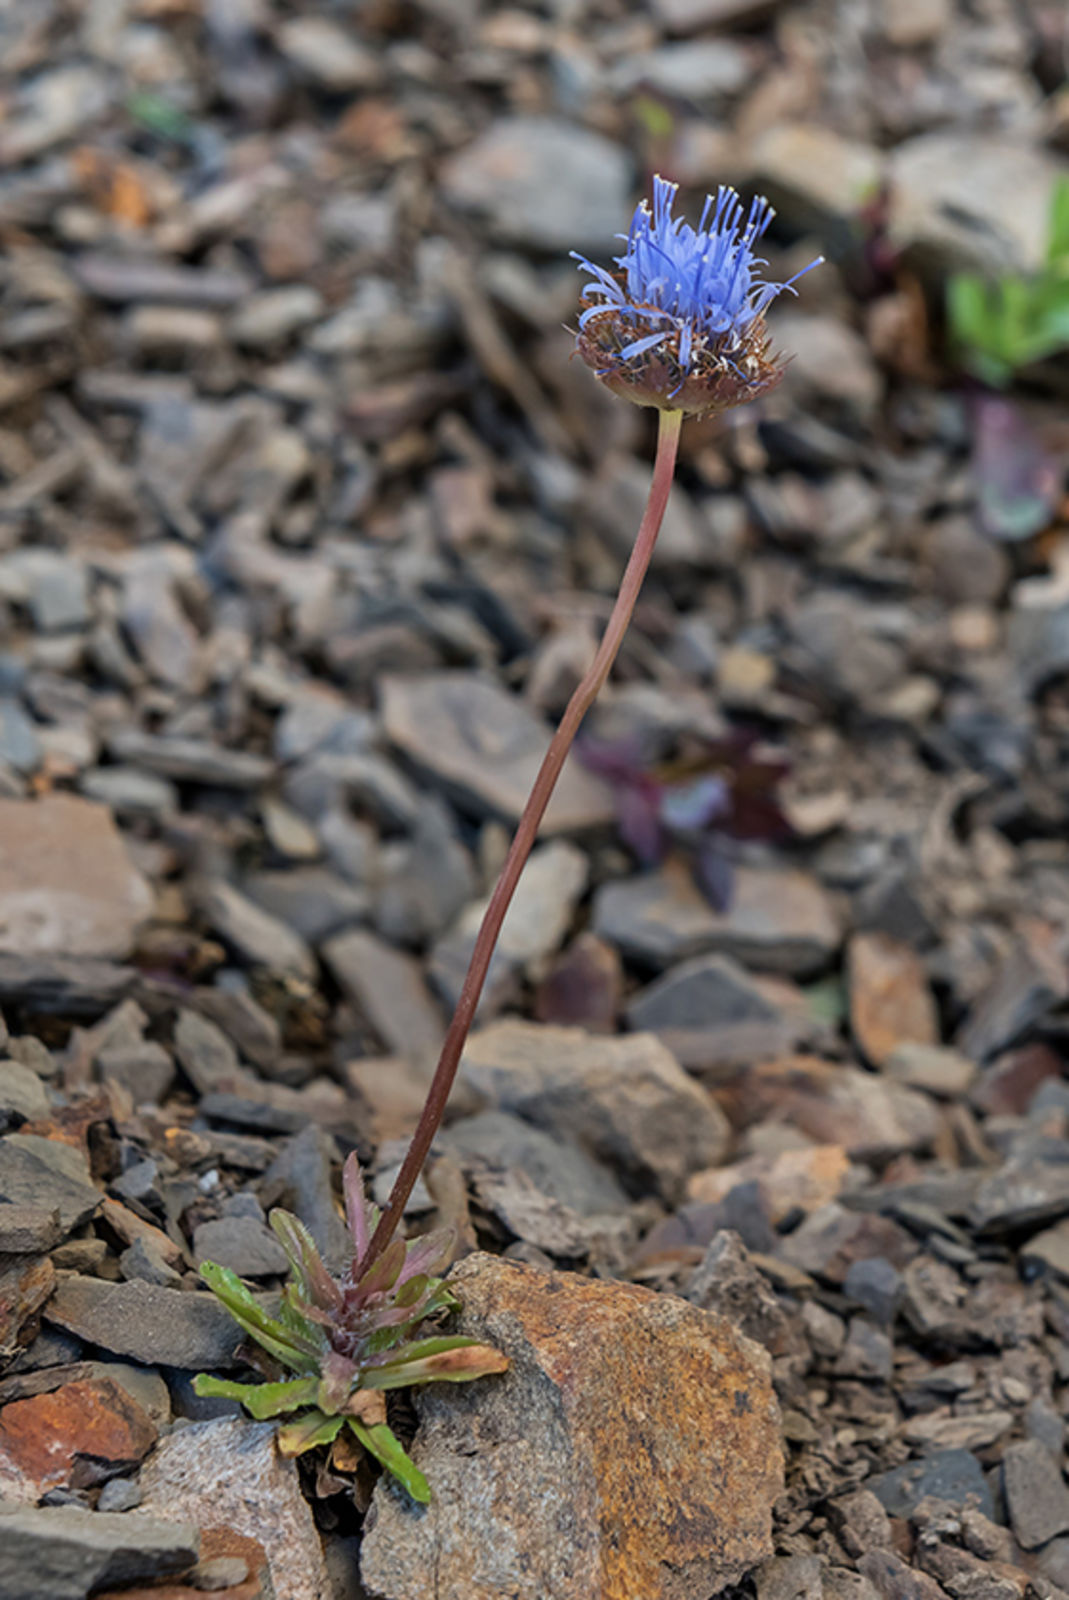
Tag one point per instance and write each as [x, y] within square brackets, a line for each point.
[25, 1284]
[631, 1452]
[76, 1436]
[891, 1002]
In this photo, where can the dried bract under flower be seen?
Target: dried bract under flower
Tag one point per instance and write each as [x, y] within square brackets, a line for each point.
[346, 1341]
[681, 325]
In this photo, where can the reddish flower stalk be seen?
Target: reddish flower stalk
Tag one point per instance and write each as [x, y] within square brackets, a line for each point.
[671, 422]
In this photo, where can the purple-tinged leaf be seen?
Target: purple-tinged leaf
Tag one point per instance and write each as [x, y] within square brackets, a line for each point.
[428, 1255]
[313, 1280]
[638, 817]
[380, 1277]
[356, 1205]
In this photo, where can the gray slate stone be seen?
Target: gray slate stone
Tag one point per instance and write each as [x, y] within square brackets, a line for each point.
[314, 901]
[44, 1173]
[304, 1165]
[710, 1009]
[1036, 1494]
[62, 1553]
[955, 1476]
[483, 747]
[627, 1100]
[557, 1167]
[543, 183]
[206, 1054]
[259, 938]
[152, 1324]
[947, 222]
[22, 1094]
[243, 1244]
[388, 989]
[777, 921]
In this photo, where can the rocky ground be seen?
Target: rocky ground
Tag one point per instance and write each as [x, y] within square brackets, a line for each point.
[307, 524]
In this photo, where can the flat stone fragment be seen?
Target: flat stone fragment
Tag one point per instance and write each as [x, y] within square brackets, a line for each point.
[933, 1069]
[777, 921]
[243, 1244]
[23, 1097]
[1047, 1251]
[542, 182]
[558, 1167]
[45, 1173]
[694, 16]
[626, 1099]
[143, 1320]
[709, 1005]
[67, 886]
[794, 1180]
[227, 1474]
[259, 938]
[947, 223]
[1036, 1494]
[869, 1116]
[28, 1230]
[1030, 981]
[62, 1553]
[955, 1476]
[483, 747]
[1021, 1193]
[388, 989]
[633, 1449]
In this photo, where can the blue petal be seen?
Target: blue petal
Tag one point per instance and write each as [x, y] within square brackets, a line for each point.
[640, 346]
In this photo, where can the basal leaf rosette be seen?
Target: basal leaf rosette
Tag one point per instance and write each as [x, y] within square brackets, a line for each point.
[346, 1342]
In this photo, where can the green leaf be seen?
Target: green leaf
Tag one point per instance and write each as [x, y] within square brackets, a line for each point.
[383, 1444]
[968, 308]
[261, 1400]
[449, 1359]
[158, 115]
[285, 1344]
[304, 1433]
[1058, 238]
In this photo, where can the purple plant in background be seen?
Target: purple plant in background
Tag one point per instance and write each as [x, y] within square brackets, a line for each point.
[725, 791]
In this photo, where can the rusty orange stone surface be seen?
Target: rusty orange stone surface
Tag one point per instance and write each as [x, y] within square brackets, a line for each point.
[632, 1451]
[76, 1436]
[25, 1284]
[891, 1001]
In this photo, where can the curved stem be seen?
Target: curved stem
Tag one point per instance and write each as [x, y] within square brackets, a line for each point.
[526, 831]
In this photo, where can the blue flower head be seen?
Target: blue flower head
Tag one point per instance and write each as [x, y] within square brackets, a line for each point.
[681, 325]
